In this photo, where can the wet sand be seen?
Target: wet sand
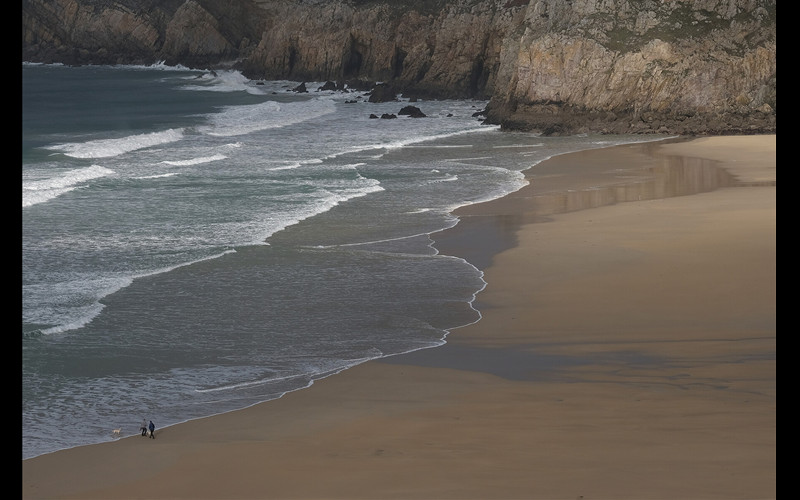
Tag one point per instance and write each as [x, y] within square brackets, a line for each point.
[627, 350]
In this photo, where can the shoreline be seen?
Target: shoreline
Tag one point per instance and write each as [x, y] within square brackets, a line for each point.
[624, 351]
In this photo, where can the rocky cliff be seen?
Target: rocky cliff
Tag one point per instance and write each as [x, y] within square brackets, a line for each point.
[554, 66]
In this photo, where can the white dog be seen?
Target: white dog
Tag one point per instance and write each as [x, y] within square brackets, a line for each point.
[116, 432]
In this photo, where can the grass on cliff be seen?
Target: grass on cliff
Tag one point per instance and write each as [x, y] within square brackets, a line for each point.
[682, 23]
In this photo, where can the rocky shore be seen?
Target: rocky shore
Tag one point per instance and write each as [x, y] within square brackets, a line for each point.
[549, 66]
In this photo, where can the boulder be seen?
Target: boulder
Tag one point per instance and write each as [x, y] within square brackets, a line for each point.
[383, 92]
[412, 111]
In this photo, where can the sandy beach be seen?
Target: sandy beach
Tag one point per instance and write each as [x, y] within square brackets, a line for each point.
[627, 350]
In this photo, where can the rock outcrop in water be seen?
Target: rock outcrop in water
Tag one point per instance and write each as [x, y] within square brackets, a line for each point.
[553, 66]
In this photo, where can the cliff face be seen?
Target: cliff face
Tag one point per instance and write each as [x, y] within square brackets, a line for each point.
[450, 48]
[200, 33]
[684, 66]
[555, 66]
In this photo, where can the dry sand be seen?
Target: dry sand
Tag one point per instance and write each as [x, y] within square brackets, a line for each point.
[627, 350]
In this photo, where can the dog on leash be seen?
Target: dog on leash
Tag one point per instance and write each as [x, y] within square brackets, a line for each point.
[116, 432]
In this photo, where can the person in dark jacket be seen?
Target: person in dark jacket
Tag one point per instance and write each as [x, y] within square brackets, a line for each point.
[152, 428]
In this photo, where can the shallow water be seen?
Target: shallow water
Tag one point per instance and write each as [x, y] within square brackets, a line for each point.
[194, 244]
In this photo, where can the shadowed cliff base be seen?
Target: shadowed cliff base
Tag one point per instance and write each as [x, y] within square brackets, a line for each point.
[559, 119]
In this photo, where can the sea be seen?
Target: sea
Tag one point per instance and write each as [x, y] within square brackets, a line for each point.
[195, 242]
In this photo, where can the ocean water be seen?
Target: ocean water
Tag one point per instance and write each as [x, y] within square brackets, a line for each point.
[195, 242]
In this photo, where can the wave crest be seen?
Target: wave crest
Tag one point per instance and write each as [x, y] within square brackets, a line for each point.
[240, 120]
[39, 191]
[106, 148]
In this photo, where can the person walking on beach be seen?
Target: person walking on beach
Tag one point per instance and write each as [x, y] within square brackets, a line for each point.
[152, 428]
[143, 427]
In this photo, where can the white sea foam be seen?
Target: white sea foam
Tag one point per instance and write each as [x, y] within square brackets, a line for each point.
[99, 288]
[224, 81]
[41, 190]
[194, 161]
[465, 160]
[440, 146]
[327, 199]
[240, 120]
[250, 383]
[402, 143]
[158, 176]
[289, 165]
[62, 309]
[106, 148]
[314, 369]
[519, 146]
[449, 178]
[87, 314]
[158, 66]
